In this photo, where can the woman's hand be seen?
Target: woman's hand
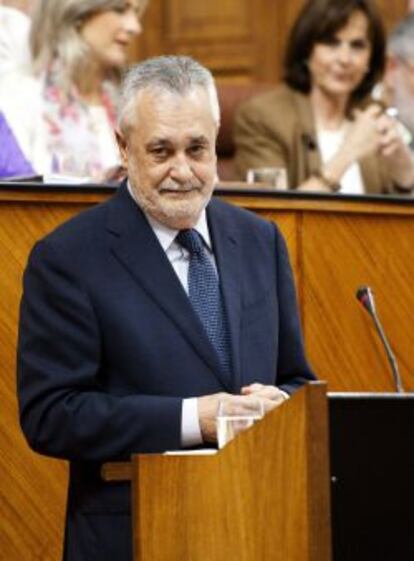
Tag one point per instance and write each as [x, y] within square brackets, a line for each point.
[363, 137]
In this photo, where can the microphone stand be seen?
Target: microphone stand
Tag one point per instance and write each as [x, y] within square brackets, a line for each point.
[366, 297]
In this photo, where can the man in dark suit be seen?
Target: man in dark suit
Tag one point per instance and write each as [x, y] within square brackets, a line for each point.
[119, 351]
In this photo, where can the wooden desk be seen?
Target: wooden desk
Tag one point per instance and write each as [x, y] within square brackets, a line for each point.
[335, 243]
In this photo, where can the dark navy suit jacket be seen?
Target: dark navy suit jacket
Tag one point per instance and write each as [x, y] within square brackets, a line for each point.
[109, 345]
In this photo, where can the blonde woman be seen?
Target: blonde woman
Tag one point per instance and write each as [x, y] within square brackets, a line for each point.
[62, 116]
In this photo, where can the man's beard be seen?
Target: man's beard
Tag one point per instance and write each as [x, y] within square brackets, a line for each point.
[174, 213]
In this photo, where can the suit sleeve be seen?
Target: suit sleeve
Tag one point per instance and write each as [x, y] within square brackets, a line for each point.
[255, 145]
[64, 410]
[293, 369]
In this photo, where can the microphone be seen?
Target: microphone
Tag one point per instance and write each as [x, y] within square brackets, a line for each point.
[365, 296]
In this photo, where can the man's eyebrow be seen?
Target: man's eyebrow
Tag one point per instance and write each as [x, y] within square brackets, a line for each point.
[155, 142]
[200, 139]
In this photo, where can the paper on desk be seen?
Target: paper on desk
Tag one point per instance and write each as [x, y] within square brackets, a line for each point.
[59, 179]
[201, 452]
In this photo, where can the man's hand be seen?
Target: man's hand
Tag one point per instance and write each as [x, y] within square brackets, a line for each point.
[270, 396]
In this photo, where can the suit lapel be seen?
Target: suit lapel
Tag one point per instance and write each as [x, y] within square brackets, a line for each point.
[135, 245]
[228, 259]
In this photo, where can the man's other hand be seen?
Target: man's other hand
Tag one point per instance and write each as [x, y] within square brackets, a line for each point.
[208, 408]
[272, 395]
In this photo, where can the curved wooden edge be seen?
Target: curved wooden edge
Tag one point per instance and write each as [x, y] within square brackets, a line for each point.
[238, 193]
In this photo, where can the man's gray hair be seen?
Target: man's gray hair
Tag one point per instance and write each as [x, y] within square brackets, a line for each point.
[174, 74]
[401, 40]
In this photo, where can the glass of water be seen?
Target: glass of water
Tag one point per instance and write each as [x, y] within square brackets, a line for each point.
[275, 178]
[235, 416]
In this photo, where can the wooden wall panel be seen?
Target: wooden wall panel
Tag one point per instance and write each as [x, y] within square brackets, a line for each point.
[288, 224]
[239, 40]
[334, 247]
[32, 488]
[190, 21]
[339, 254]
[218, 33]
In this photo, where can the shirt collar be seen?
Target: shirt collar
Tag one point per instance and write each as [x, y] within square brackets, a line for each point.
[166, 236]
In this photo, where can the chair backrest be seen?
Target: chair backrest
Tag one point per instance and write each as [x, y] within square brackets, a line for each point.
[230, 97]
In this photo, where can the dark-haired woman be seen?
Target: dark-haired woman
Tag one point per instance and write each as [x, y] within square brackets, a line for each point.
[321, 124]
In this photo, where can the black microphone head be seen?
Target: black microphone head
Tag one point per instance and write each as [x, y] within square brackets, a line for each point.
[365, 295]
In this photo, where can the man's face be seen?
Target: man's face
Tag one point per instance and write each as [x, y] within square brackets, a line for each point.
[169, 151]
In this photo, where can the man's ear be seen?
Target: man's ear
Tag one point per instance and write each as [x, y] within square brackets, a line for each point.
[123, 149]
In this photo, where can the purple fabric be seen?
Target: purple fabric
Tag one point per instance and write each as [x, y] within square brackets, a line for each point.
[12, 160]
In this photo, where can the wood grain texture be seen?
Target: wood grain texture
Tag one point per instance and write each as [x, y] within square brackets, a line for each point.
[239, 40]
[265, 497]
[340, 253]
[334, 245]
[32, 488]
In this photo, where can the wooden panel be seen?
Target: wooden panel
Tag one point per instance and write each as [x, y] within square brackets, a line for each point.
[275, 19]
[264, 497]
[239, 40]
[289, 225]
[200, 21]
[341, 253]
[227, 36]
[32, 488]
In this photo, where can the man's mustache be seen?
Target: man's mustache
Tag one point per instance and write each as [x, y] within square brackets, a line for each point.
[171, 185]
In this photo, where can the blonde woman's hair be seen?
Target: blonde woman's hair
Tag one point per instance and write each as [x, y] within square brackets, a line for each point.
[55, 32]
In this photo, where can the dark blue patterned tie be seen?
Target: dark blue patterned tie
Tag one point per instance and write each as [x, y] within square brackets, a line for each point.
[205, 296]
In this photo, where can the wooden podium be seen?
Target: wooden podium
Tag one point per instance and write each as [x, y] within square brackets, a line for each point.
[324, 477]
[264, 497]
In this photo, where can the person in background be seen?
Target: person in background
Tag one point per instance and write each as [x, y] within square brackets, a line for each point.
[320, 124]
[13, 163]
[14, 58]
[14, 38]
[410, 6]
[141, 314]
[398, 83]
[79, 49]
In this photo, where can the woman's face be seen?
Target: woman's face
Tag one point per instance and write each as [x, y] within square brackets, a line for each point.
[337, 67]
[109, 33]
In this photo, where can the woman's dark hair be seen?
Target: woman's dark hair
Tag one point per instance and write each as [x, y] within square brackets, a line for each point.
[318, 22]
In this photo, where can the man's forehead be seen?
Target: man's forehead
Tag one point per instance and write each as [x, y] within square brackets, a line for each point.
[165, 104]
[167, 115]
